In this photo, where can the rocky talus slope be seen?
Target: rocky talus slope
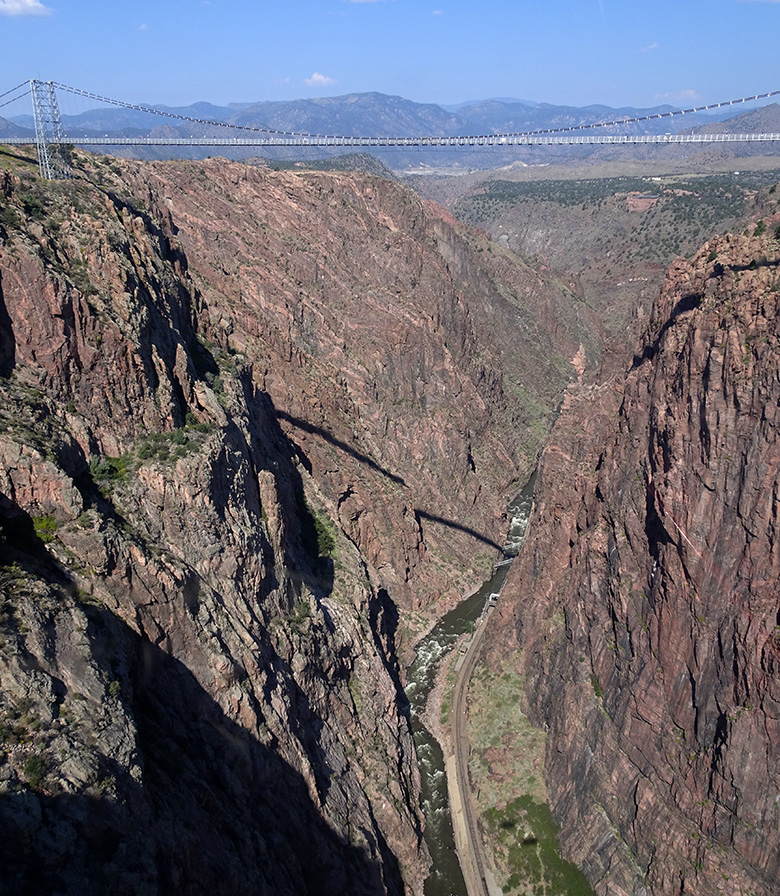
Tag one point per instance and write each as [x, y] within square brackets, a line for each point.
[244, 418]
[645, 606]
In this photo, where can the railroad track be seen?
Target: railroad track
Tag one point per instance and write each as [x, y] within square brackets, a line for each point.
[478, 877]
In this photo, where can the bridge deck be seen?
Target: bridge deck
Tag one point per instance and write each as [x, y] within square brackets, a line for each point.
[500, 140]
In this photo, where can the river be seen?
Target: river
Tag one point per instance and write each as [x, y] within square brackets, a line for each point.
[446, 878]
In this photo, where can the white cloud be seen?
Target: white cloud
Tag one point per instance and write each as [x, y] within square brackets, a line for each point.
[319, 80]
[143, 27]
[438, 12]
[24, 8]
[650, 47]
[679, 96]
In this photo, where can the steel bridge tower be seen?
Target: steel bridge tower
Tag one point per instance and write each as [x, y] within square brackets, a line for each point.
[49, 138]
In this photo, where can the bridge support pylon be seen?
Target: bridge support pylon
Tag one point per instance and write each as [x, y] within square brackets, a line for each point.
[52, 161]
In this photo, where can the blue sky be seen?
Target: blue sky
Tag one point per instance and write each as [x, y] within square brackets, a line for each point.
[616, 52]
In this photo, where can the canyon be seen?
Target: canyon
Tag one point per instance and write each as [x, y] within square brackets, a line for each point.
[256, 427]
[258, 431]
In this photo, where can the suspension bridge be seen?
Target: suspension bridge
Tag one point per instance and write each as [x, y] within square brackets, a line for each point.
[50, 138]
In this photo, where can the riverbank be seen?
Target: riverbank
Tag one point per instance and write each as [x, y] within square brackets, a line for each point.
[468, 832]
[428, 679]
[502, 761]
[446, 715]
[435, 715]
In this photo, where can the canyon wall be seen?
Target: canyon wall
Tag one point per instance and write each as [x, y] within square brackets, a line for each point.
[415, 365]
[643, 610]
[251, 424]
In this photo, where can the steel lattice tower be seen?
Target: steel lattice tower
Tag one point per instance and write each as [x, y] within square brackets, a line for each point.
[48, 132]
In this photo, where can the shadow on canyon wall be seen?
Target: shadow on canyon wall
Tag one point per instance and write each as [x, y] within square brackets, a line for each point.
[364, 459]
[7, 341]
[451, 524]
[209, 809]
[686, 303]
[337, 443]
[199, 806]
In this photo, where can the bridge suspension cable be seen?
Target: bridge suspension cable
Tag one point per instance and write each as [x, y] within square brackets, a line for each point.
[25, 92]
[52, 157]
[25, 84]
[266, 130]
[655, 115]
[176, 115]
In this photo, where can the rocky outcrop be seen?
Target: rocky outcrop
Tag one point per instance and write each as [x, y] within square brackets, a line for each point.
[245, 417]
[644, 605]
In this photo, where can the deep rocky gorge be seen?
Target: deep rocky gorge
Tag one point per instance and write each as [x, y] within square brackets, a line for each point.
[253, 426]
[258, 430]
[643, 612]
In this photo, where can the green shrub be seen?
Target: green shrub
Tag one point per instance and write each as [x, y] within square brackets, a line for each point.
[147, 451]
[34, 770]
[174, 443]
[110, 468]
[9, 217]
[45, 527]
[299, 620]
[326, 535]
[33, 207]
[192, 422]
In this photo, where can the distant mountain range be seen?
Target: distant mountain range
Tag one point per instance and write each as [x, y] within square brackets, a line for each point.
[765, 120]
[377, 114]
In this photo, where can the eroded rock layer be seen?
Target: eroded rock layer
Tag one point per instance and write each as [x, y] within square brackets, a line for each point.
[645, 604]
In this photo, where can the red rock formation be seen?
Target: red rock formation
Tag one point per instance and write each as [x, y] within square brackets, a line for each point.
[646, 598]
[244, 416]
[414, 374]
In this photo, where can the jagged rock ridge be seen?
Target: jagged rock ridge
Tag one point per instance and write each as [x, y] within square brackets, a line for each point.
[180, 672]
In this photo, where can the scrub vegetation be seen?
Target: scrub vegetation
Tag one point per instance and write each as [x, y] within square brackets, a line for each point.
[506, 769]
[682, 212]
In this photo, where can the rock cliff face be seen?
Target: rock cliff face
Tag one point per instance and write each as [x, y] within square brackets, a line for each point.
[414, 367]
[645, 603]
[244, 418]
